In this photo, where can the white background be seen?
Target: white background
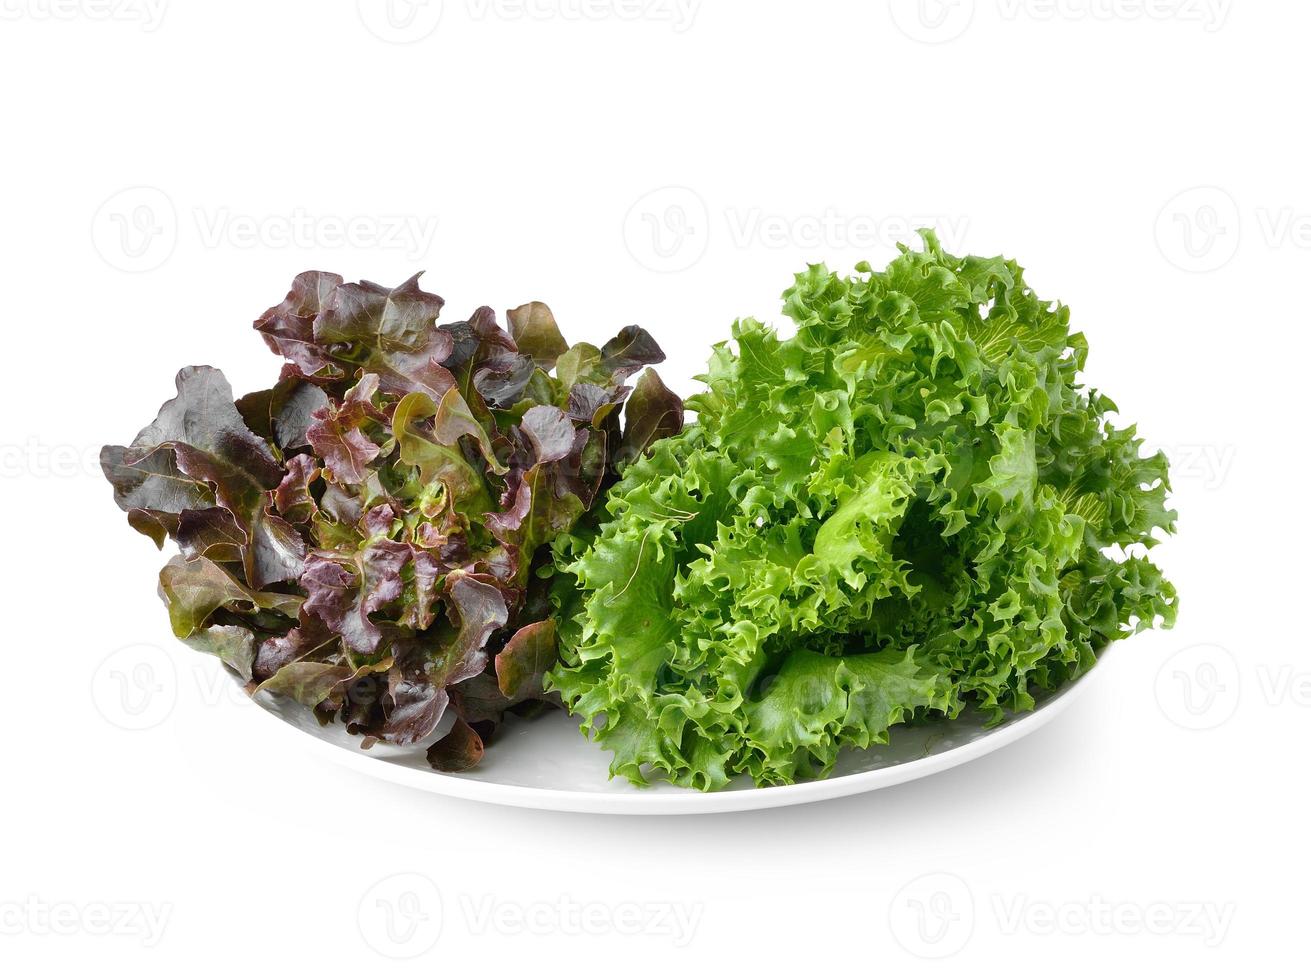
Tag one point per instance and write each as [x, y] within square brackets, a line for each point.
[168, 168]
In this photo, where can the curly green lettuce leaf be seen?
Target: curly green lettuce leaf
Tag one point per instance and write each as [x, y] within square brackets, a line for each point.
[908, 508]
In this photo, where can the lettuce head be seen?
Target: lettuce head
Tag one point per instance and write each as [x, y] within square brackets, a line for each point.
[910, 507]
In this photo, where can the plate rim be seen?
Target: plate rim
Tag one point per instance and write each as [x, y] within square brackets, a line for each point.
[692, 803]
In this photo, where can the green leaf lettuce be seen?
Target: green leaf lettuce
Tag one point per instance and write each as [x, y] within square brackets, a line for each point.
[909, 507]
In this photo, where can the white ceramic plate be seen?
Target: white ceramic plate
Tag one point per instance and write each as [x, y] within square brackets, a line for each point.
[547, 764]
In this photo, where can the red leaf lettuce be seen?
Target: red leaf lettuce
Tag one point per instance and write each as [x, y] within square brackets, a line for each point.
[365, 535]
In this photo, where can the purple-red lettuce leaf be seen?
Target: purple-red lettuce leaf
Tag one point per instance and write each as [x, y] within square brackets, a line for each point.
[459, 750]
[593, 404]
[211, 533]
[392, 333]
[523, 660]
[653, 412]
[288, 328]
[198, 453]
[337, 434]
[628, 352]
[283, 414]
[536, 334]
[293, 498]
